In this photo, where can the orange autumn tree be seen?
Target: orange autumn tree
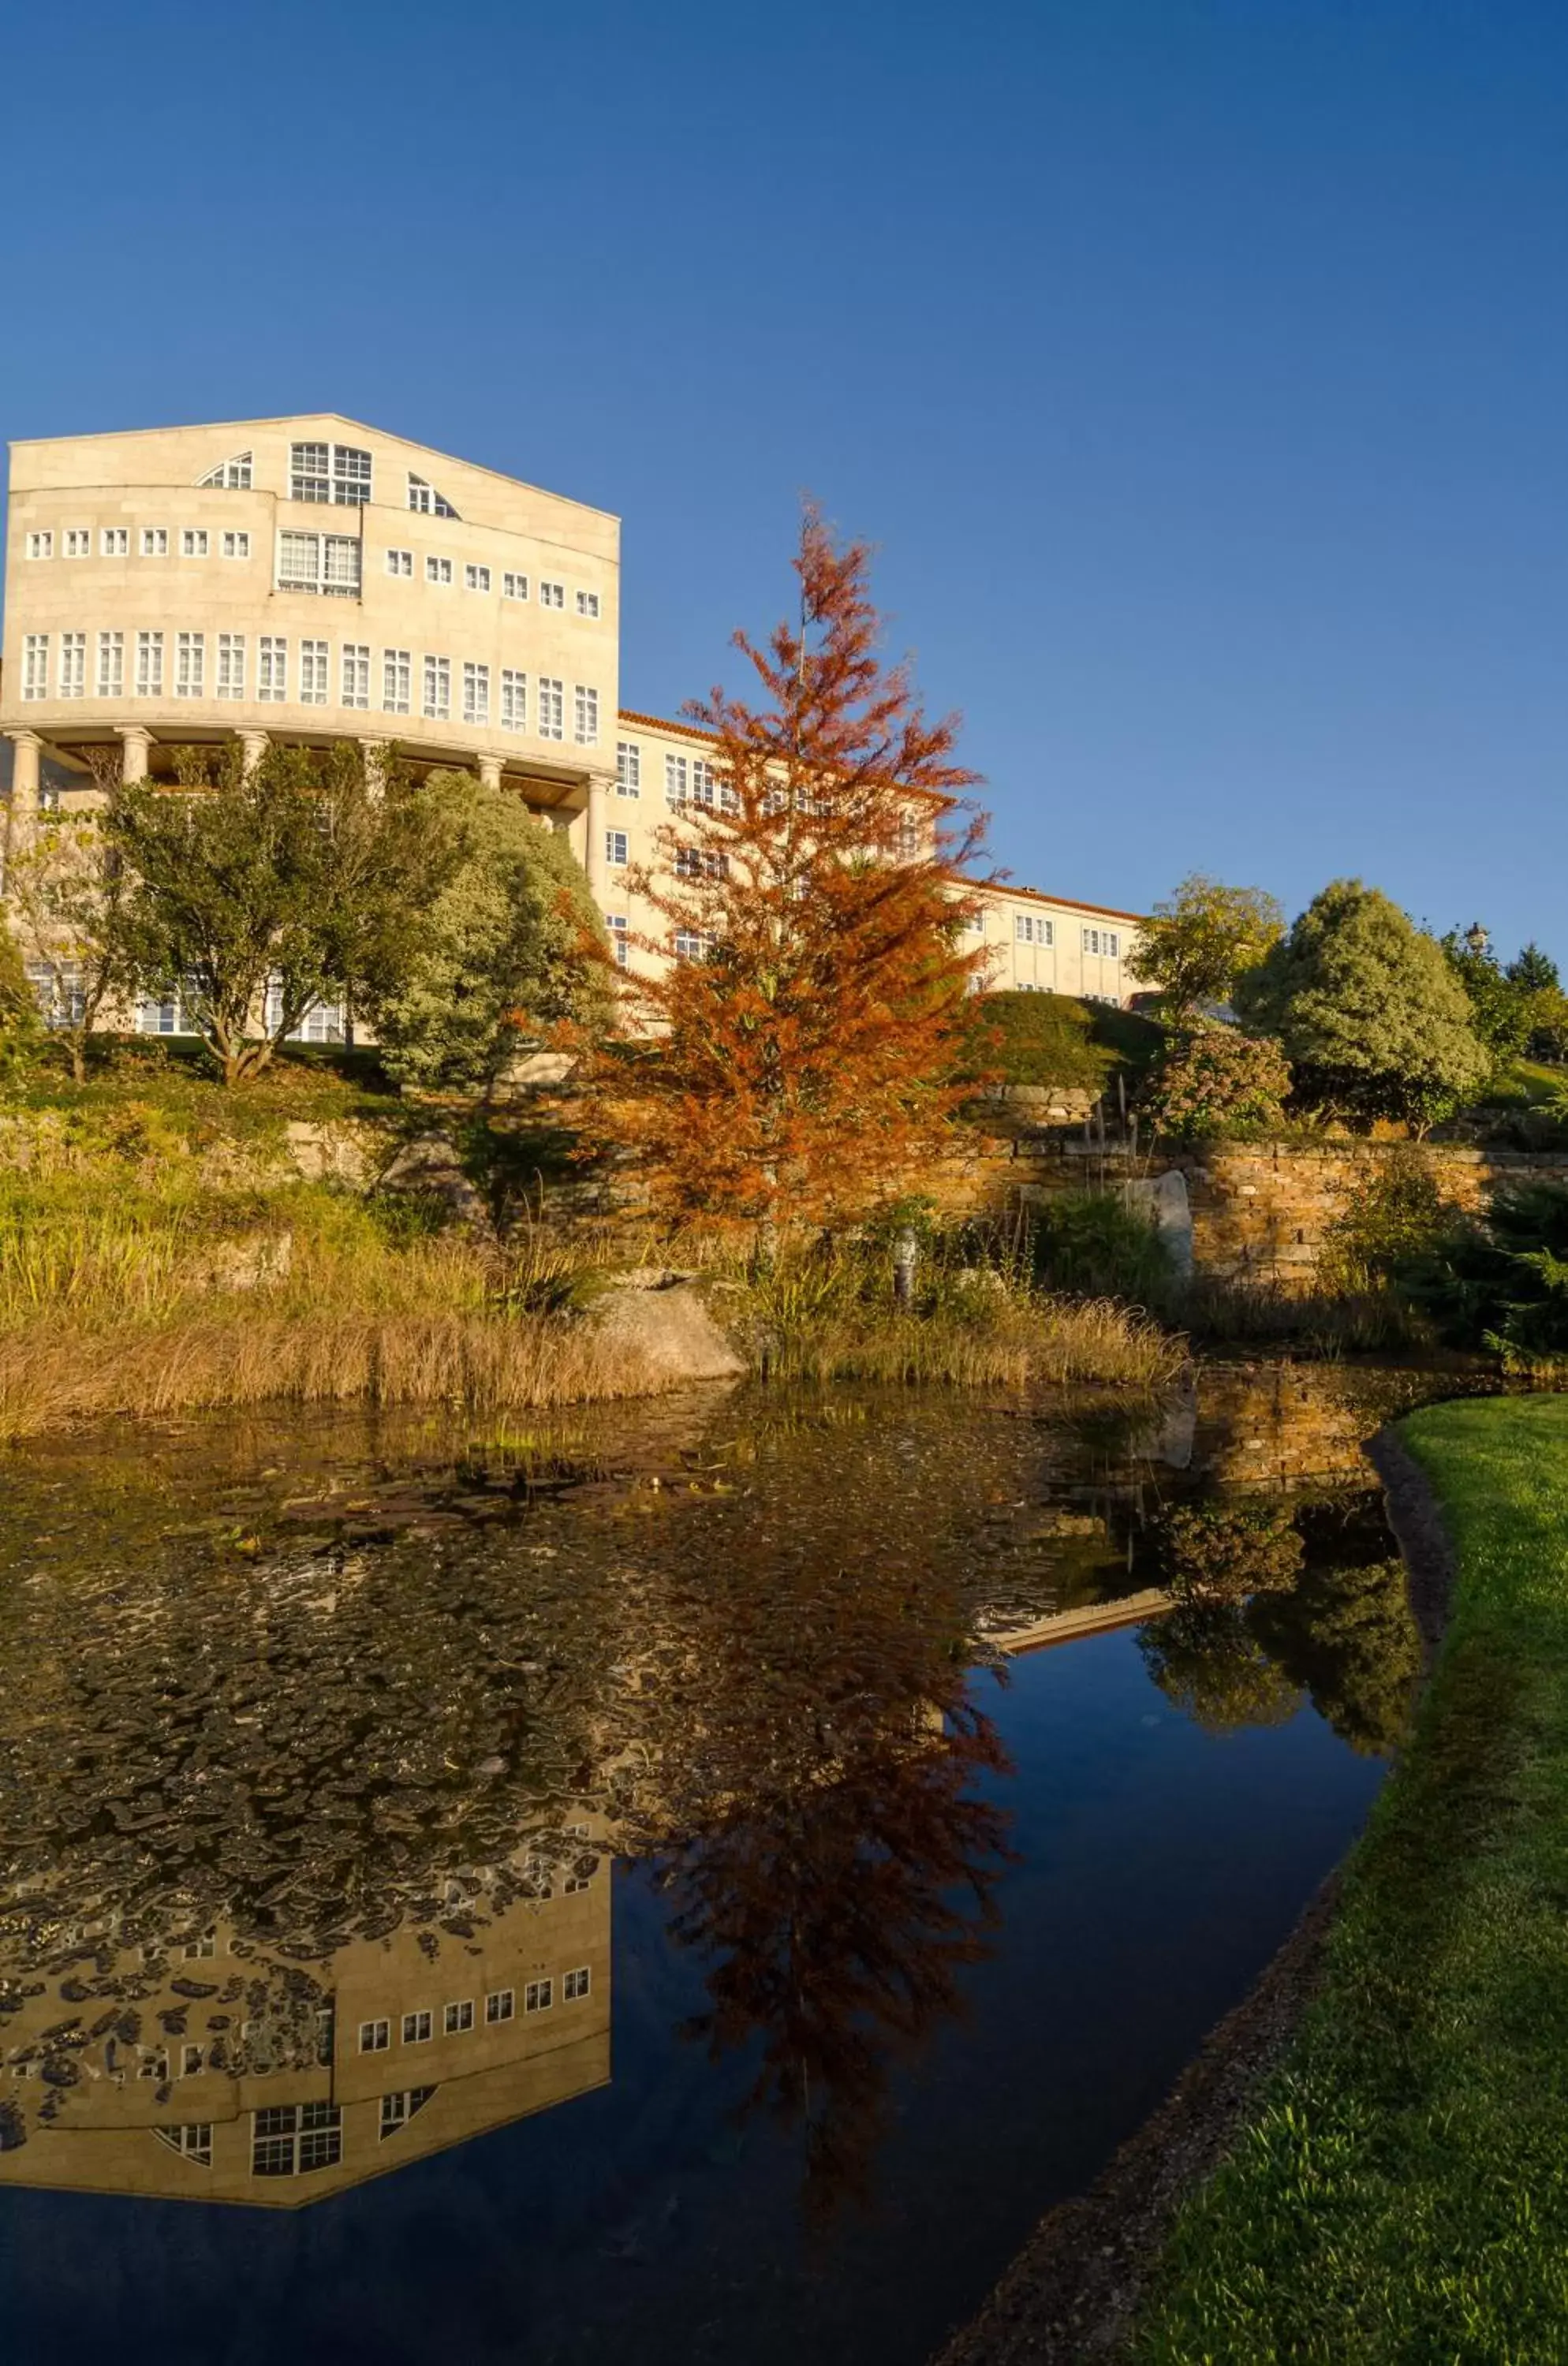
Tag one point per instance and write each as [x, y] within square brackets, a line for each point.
[794, 1064]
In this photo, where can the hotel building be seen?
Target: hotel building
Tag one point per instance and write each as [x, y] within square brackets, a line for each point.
[311, 579]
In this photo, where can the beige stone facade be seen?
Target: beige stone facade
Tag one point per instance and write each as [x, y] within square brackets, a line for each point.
[277, 2081]
[310, 578]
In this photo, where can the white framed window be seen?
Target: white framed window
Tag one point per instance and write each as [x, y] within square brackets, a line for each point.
[396, 674]
[202, 1949]
[291, 2139]
[232, 476]
[588, 603]
[499, 2005]
[417, 2028]
[159, 1016]
[374, 2036]
[400, 562]
[154, 541]
[550, 711]
[1102, 940]
[192, 2141]
[149, 665]
[231, 665]
[397, 2111]
[976, 924]
[1029, 929]
[437, 570]
[538, 1996]
[585, 716]
[190, 665]
[425, 498]
[476, 693]
[111, 665]
[514, 587]
[41, 545]
[272, 666]
[73, 665]
[689, 946]
[193, 542]
[314, 657]
[628, 768]
[356, 655]
[437, 688]
[114, 542]
[35, 666]
[615, 848]
[78, 542]
[190, 2061]
[476, 578]
[620, 936]
[677, 780]
[329, 472]
[457, 2018]
[236, 545]
[552, 595]
[514, 700]
[701, 863]
[319, 563]
[574, 1987]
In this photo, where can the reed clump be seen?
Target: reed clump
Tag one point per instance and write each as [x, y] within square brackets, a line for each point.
[971, 1313]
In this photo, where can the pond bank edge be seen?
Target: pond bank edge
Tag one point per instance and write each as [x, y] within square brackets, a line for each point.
[1070, 2297]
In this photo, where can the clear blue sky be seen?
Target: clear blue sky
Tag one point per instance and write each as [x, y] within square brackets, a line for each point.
[1201, 371]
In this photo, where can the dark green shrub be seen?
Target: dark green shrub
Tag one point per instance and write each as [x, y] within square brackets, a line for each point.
[1090, 1244]
[1052, 1038]
[1397, 1215]
[1502, 1283]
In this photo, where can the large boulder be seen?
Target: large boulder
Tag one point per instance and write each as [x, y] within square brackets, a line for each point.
[660, 1320]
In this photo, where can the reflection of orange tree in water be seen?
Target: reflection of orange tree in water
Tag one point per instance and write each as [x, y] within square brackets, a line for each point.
[833, 1867]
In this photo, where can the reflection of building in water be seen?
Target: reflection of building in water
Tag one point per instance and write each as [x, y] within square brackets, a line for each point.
[209, 2071]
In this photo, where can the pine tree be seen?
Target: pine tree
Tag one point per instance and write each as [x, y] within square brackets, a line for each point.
[794, 1064]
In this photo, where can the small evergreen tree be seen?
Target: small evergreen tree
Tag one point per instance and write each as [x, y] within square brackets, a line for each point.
[1367, 1009]
[505, 951]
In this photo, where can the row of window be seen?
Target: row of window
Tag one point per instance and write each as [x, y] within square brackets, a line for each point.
[456, 2020]
[330, 563]
[291, 2139]
[114, 542]
[313, 660]
[1032, 928]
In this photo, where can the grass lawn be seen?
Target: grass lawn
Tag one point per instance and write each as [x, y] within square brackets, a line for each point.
[1402, 2191]
[1526, 1084]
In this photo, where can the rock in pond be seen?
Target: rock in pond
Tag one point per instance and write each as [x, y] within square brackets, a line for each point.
[660, 1320]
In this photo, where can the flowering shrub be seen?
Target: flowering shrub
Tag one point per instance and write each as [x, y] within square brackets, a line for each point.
[1215, 1080]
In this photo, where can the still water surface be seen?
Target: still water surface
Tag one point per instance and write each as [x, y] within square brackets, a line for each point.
[690, 1884]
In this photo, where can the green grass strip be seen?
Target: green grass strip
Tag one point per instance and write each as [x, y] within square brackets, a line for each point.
[1401, 2192]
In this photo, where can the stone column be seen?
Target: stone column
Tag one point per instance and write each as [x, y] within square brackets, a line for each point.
[22, 818]
[490, 771]
[374, 754]
[253, 746]
[138, 739]
[596, 865]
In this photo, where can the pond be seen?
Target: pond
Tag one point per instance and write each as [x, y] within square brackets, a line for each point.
[686, 1884]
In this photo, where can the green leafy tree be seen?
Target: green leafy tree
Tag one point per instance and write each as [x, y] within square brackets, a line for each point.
[1499, 1008]
[1200, 940]
[257, 891]
[1534, 974]
[1215, 1080]
[68, 891]
[1367, 1009]
[511, 946]
[21, 1029]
